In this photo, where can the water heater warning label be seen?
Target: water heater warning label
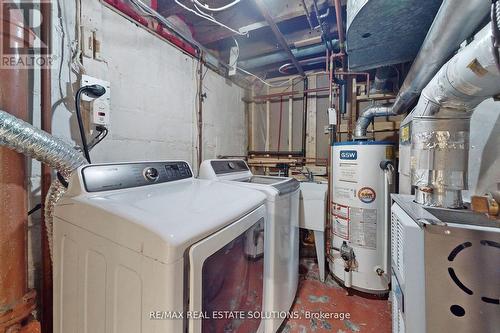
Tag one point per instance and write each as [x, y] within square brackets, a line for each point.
[340, 220]
[363, 227]
[348, 172]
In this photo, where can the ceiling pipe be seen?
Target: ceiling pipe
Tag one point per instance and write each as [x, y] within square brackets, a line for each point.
[340, 29]
[288, 68]
[277, 57]
[279, 36]
[455, 21]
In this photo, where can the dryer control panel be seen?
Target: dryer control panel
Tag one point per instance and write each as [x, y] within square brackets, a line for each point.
[228, 166]
[107, 177]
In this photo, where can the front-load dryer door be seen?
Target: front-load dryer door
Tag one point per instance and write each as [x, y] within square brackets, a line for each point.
[226, 284]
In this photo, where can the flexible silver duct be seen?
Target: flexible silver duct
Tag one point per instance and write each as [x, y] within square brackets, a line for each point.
[368, 115]
[455, 21]
[22, 137]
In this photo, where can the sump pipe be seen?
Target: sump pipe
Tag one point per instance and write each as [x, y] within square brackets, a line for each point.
[455, 21]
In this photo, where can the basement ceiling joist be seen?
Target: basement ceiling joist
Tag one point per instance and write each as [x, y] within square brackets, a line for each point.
[245, 16]
[288, 19]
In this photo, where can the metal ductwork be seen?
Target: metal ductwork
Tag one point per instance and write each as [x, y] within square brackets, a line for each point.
[440, 122]
[277, 57]
[455, 21]
[22, 137]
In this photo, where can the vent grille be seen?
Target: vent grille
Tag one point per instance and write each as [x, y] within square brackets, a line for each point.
[398, 325]
[397, 248]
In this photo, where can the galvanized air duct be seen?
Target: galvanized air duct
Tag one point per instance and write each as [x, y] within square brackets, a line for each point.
[281, 56]
[22, 137]
[441, 121]
[455, 21]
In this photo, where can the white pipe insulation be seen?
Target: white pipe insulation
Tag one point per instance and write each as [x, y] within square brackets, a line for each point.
[466, 80]
[440, 122]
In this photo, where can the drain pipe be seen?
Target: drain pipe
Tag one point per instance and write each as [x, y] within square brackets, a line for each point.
[441, 121]
[455, 21]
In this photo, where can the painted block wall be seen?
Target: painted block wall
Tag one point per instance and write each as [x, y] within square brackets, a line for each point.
[153, 100]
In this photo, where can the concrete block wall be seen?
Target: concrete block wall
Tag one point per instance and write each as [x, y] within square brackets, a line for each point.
[153, 99]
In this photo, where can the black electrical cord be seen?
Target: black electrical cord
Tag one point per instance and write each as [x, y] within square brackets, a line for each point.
[93, 91]
[103, 132]
[61, 179]
[34, 209]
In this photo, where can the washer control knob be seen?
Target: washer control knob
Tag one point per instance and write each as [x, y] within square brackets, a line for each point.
[231, 165]
[151, 174]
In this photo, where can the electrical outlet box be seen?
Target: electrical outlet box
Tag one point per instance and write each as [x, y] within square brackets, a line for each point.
[100, 107]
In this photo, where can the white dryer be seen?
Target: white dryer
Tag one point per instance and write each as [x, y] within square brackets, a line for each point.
[281, 233]
[144, 247]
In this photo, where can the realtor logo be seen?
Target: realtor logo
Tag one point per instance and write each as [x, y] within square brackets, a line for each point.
[22, 45]
[351, 155]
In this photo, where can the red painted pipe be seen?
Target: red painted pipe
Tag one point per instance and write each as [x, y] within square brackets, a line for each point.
[160, 30]
[16, 301]
[127, 10]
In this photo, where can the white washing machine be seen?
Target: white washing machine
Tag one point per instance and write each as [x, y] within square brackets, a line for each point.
[144, 247]
[281, 233]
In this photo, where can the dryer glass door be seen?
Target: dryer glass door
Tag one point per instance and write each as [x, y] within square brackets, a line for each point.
[226, 278]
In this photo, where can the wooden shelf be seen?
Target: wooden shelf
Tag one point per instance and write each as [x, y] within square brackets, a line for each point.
[375, 97]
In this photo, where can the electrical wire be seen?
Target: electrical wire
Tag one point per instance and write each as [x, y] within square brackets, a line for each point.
[103, 133]
[205, 6]
[261, 79]
[207, 17]
[85, 146]
[233, 65]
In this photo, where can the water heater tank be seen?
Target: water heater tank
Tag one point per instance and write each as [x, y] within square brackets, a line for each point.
[362, 178]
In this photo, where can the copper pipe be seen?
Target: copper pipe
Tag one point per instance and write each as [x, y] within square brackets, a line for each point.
[46, 300]
[340, 29]
[262, 98]
[15, 305]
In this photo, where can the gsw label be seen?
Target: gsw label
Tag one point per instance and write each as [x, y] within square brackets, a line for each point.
[348, 155]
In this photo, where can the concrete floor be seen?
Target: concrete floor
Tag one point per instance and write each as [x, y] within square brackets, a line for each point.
[365, 314]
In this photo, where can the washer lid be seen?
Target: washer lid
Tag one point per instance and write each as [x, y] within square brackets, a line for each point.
[284, 185]
[163, 220]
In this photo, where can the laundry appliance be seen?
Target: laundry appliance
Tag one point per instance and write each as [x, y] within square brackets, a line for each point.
[281, 233]
[145, 247]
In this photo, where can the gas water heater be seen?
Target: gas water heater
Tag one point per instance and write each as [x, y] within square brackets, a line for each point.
[362, 181]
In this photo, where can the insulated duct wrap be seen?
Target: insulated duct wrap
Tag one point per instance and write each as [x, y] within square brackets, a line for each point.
[440, 151]
[455, 21]
[367, 117]
[22, 137]
[441, 121]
